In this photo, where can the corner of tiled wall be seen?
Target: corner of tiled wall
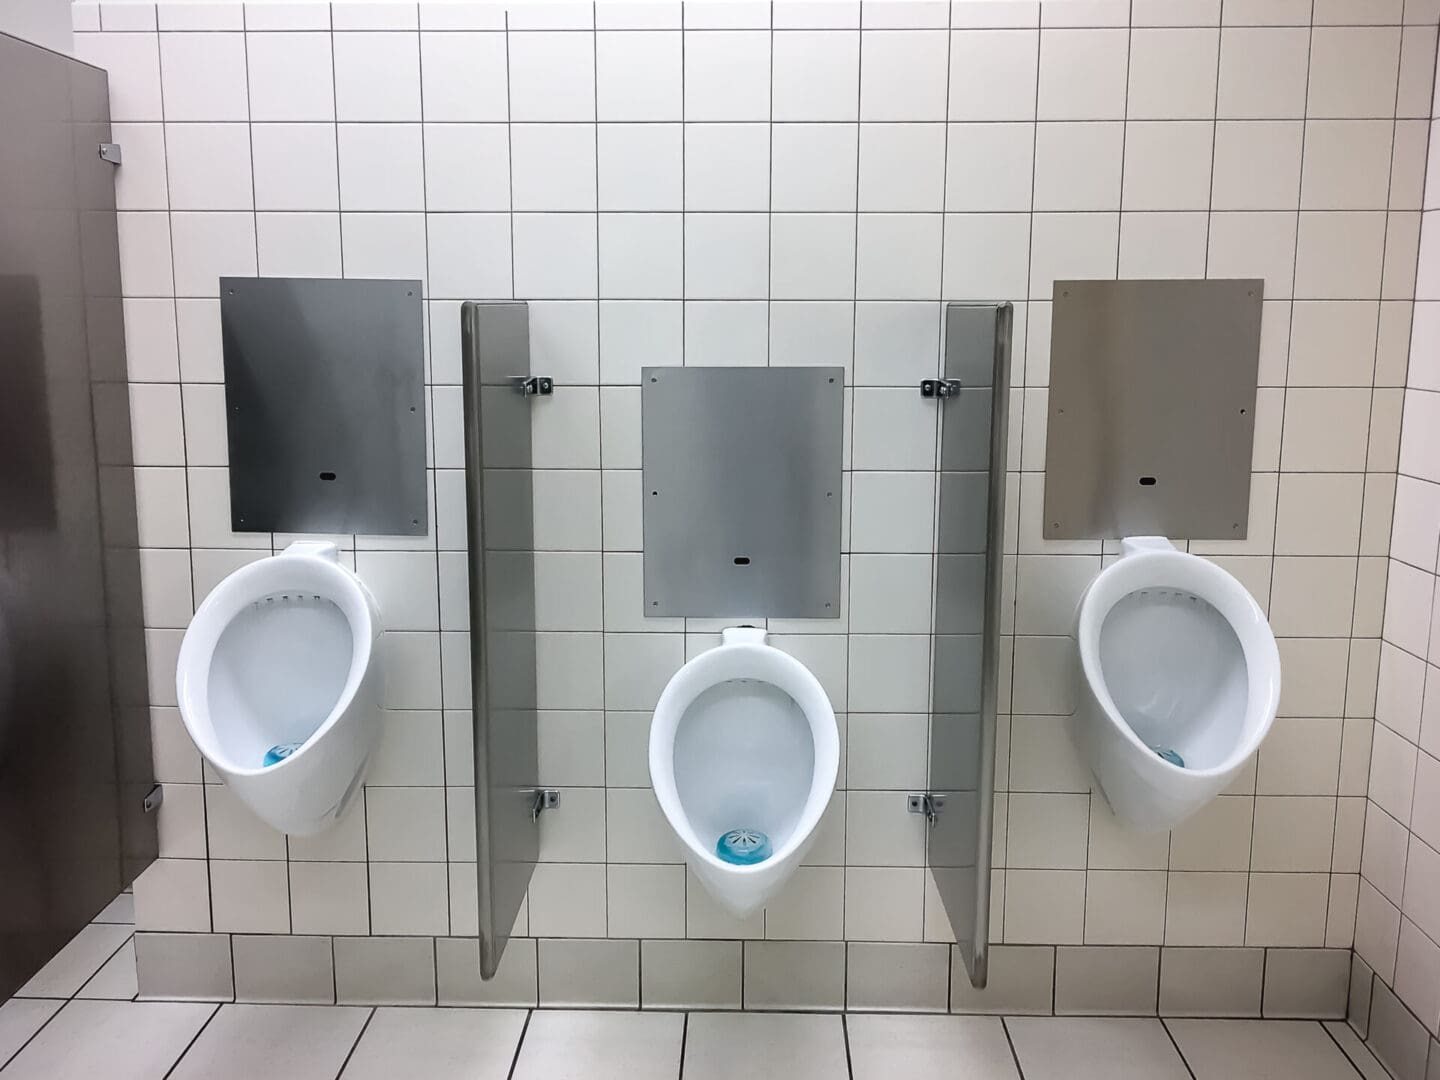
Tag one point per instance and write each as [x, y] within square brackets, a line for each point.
[785, 183]
[1395, 989]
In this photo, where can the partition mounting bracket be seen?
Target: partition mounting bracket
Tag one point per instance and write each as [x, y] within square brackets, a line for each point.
[929, 804]
[943, 389]
[545, 799]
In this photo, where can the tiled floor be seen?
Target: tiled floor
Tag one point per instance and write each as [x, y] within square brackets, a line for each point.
[78, 1020]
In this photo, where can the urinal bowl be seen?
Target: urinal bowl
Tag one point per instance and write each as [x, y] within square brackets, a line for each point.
[1174, 655]
[744, 737]
[282, 653]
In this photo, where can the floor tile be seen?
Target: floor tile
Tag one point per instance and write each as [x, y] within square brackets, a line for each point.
[1104, 1048]
[437, 1044]
[116, 980]
[762, 1046]
[937, 1047]
[21, 1018]
[119, 910]
[1259, 1050]
[71, 968]
[1356, 1050]
[117, 1040]
[601, 1046]
[298, 1042]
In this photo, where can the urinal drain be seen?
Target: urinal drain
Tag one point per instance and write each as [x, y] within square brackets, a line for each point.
[1169, 755]
[279, 752]
[743, 846]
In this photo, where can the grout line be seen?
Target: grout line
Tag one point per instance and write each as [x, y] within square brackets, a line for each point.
[110, 956]
[520, 1042]
[1010, 1042]
[847, 524]
[196, 1038]
[1178, 1052]
[5, 1061]
[356, 1044]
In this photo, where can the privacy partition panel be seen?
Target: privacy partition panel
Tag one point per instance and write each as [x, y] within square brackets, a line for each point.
[75, 765]
[495, 358]
[966, 638]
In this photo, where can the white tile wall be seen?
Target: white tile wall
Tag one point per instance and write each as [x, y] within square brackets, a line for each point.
[1396, 930]
[755, 183]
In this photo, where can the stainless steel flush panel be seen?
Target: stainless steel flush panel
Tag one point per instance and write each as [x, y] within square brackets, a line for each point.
[325, 405]
[968, 554]
[742, 491]
[1152, 408]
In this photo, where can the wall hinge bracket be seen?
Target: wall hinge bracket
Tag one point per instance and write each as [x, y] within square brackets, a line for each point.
[928, 804]
[110, 151]
[534, 385]
[545, 799]
[939, 388]
[152, 801]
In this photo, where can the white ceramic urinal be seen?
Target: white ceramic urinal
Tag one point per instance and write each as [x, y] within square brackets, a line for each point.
[1179, 681]
[279, 687]
[744, 751]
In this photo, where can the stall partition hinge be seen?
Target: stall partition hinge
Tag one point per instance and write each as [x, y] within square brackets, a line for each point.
[152, 801]
[545, 799]
[939, 388]
[534, 385]
[929, 804]
[110, 151]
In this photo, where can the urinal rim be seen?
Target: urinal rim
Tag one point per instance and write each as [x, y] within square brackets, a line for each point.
[242, 587]
[761, 662]
[1150, 568]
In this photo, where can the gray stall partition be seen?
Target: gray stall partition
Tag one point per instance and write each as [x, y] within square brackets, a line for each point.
[75, 765]
[967, 619]
[499, 395]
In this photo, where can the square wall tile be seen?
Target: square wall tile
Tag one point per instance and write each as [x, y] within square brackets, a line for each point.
[377, 77]
[638, 76]
[291, 76]
[1082, 74]
[727, 75]
[816, 75]
[203, 77]
[464, 77]
[903, 75]
[993, 74]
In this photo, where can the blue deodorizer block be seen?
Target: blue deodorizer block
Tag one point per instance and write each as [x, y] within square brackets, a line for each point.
[279, 752]
[743, 847]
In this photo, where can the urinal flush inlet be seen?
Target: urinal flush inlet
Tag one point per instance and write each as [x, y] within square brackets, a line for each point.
[743, 847]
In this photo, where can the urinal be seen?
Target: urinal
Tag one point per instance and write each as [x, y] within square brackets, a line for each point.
[744, 752]
[1179, 681]
[279, 688]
